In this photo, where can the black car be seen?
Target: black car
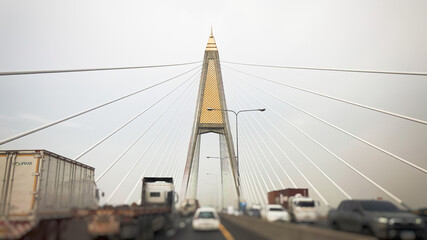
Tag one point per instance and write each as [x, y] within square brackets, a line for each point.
[379, 218]
[422, 212]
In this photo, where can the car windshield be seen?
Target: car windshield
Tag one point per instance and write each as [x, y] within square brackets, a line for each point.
[206, 215]
[377, 206]
[276, 209]
[305, 204]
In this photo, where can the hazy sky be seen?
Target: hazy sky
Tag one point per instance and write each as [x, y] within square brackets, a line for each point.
[362, 34]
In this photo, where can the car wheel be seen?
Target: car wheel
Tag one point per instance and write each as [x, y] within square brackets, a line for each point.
[334, 225]
[367, 231]
[292, 218]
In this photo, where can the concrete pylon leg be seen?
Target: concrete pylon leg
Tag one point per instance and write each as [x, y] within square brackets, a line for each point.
[194, 172]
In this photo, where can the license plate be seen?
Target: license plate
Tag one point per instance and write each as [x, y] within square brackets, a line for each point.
[407, 235]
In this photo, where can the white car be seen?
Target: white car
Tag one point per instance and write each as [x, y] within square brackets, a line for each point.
[205, 219]
[275, 212]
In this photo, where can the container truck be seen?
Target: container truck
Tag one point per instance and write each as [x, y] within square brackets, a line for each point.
[159, 192]
[296, 201]
[155, 212]
[38, 185]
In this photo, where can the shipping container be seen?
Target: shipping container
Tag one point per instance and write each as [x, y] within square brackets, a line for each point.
[281, 196]
[38, 184]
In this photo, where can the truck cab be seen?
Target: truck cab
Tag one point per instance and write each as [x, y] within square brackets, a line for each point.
[157, 191]
[302, 209]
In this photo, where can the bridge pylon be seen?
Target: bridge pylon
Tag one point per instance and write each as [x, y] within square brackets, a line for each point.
[211, 95]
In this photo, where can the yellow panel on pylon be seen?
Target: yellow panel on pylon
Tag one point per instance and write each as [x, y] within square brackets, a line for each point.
[211, 97]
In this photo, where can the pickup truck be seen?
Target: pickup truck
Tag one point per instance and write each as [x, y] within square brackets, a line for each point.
[377, 217]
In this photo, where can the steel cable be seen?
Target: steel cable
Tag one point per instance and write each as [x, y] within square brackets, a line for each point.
[274, 156]
[151, 160]
[90, 109]
[395, 198]
[331, 69]
[124, 125]
[347, 133]
[91, 69]
[337, 99]
[152, 142]
[137, 139]
[296, 147]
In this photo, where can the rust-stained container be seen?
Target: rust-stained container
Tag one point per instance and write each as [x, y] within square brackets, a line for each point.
[281, 196]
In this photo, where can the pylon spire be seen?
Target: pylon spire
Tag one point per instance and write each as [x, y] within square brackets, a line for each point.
[211, 43]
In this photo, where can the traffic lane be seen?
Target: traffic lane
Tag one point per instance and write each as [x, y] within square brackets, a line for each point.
[183, 230]
[238, 232]
[286, 230]
[321, 223]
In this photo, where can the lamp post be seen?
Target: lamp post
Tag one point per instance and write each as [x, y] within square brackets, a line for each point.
[237, 131]
[237, 127]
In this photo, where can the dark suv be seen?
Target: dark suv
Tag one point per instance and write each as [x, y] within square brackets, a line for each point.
[380, 218]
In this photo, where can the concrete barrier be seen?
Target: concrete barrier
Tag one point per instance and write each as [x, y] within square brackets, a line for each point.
[291, 231]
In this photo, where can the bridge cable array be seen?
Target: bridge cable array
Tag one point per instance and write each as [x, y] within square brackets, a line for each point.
[155, 154]
[352, 135]
[127, 123]
[152, 142]
[253, 128]
[337, 99]
[92, 109]
[348, 165]
[287, 139]
[140, 136]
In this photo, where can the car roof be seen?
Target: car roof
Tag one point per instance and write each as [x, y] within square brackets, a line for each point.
[274, 205]
[206, 209]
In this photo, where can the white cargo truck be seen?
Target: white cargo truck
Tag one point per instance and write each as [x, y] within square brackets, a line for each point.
[37, 185]
[302, 209]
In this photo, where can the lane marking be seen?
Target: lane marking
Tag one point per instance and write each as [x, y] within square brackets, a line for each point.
[225, 232]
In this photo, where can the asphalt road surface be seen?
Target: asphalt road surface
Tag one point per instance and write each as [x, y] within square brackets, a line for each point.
[228, 231]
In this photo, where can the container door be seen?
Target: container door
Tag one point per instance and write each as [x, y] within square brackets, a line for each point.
[23, 184]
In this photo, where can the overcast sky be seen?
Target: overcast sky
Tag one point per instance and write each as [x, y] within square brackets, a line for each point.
[362, 34]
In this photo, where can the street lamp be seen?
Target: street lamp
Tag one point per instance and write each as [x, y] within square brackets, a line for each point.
[237, 127]
[237, 133]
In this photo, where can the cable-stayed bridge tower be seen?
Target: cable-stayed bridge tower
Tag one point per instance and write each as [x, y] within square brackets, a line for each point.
[211, 95]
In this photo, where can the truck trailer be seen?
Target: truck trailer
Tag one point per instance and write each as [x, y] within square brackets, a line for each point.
[40, 185]
[296, 201]
[282, 196]
[155, 212]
